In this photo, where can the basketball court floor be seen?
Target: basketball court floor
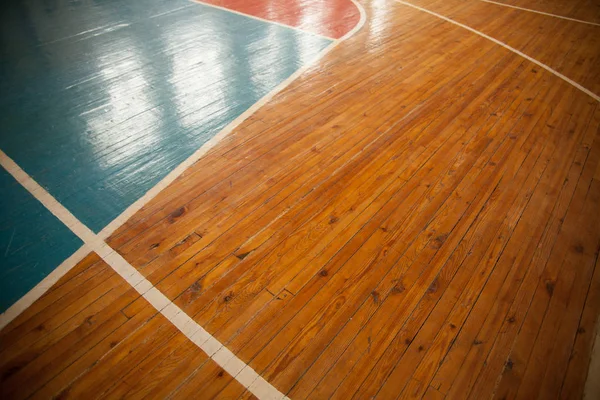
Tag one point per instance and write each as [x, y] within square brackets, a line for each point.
[303, 199]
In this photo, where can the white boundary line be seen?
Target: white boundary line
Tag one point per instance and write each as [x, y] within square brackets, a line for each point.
[295, 28]
[540, 12]
[167, 180]
[38, 290]
[592, 388]
[242, 372]
[220, 354]
[533, 60]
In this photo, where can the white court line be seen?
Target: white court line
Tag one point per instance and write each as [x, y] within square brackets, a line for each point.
[592, 388]
[533, 60]
[242, 372]
[540, 12]
[167, 180]
[24, 302]
[295, 28]
[220, 354]
[592, 383]
[46, 283]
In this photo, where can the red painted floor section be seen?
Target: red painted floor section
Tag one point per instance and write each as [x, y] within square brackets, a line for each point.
[331, 18]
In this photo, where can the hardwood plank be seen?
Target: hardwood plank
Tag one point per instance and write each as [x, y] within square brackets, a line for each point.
[583, 9]
[424, 260]
[491, 235]
[413, 217]
[574, 48]
[126, 349]
[521, 302]
[511, 256]
[522, 347]
[575, 377]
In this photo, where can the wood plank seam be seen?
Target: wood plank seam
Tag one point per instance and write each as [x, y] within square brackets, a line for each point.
[240, 371]
[262, 19]
[541, 12]
[24, 302]
[45, 284]
[533, 60]
[117, 222]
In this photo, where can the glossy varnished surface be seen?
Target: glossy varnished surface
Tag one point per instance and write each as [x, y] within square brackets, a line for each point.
[414, 217]
[106, 341]
[104, 107]
[586, 10]
[569, 47]
[332, 19]
[100, 100]
[34, 241]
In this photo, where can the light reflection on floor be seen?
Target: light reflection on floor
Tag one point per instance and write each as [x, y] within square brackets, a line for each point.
[100, 100]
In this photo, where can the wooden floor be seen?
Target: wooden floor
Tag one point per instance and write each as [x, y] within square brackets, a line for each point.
[417, 216]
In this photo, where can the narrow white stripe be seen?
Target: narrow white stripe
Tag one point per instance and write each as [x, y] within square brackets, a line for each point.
[239, 370]
[540, 12]
[295, 28]
[167, 180]
[533, 60]
[170, 177]
[193, 331]
[46, 199]
[359, 25]
[38, 290]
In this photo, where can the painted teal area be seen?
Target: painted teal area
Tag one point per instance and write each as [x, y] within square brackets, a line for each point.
[100, 99]
[32, 241]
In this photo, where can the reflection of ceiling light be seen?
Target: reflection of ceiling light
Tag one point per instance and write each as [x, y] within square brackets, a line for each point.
[114, 126]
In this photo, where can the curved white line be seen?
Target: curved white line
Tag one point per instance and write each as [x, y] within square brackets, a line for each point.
[533, 60]
[295, 28]
[167, 180]
[541, 12]
[592, 384]
[359, 25]
[218, 352]
[215, 350]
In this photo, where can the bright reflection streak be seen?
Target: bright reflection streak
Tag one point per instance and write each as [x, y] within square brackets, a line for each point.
[126, 109]
[103, 105]
[198, 76]
[378, 15]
